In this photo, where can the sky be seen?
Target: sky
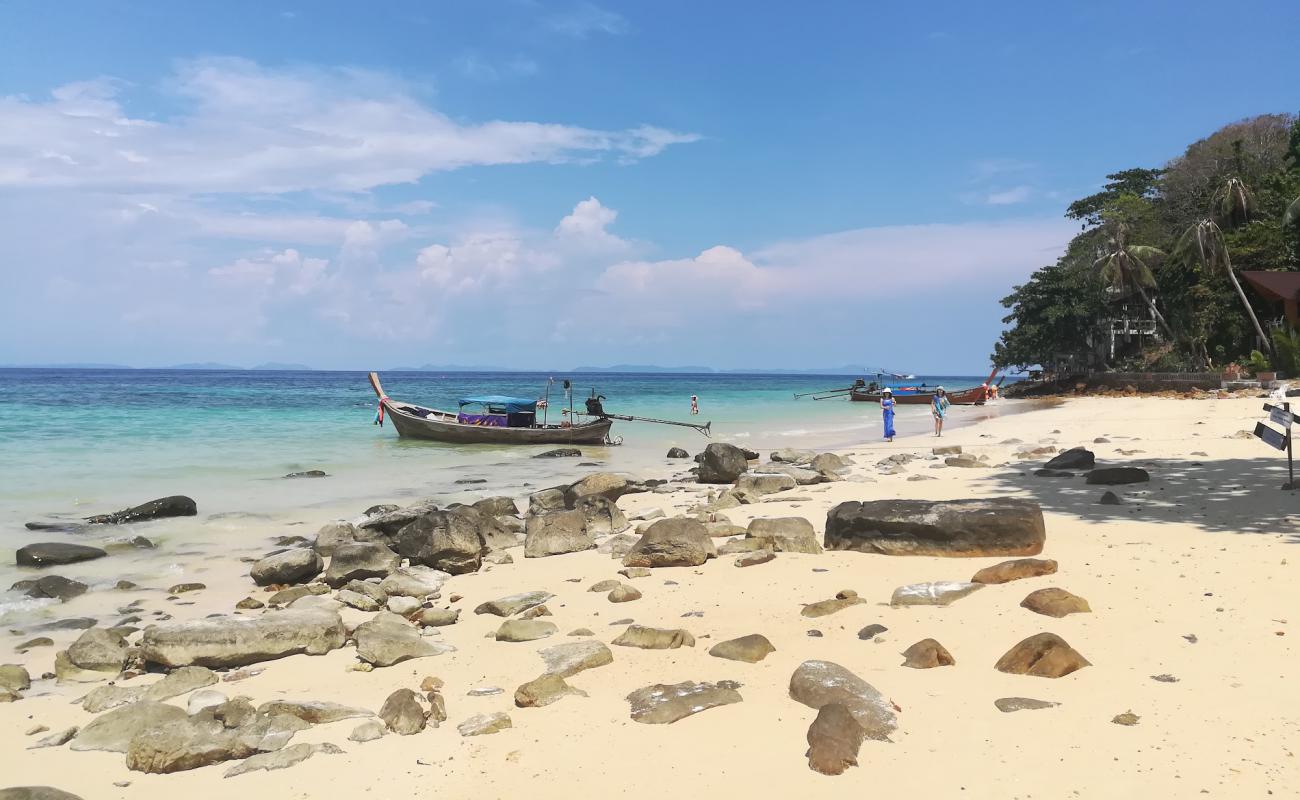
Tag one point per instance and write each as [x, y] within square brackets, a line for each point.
[541, 185]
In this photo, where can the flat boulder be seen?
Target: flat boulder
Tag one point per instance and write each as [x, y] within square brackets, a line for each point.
[52, 554]
[114, 730]
[389, 520]
[1044, 655]
[98, 650]
[55, 587]
[525, 630]
[451, 541]
[722, 463]
[1017, 569]
[751, 649]
[927, 654]
[1009, 705]
[754, 558]
[570, 658]
[358, 561]
[235, 641]
[662, 704]
[292, 566]
[673, 542]
[1078, 458]
[789, 455]
[388, 639]
[954, 528]
[544, 690]
[846, 598]
[785, 535]
[1118, 476]
[484, 724]
[834, 739]
[174, 506]
[819, 683]
[556, 533]
[654, 638]
[513, 604]
[414, 581]
[760, 483]
[608, 485]
[1054, 602]
[498, 506]
[315, 712]
[935, 593]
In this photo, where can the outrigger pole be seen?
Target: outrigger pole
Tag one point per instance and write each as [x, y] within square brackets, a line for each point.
[826, 394]
[704, 429]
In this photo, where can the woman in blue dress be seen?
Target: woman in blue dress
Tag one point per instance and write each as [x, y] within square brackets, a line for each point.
[887, 408]
[938, 405]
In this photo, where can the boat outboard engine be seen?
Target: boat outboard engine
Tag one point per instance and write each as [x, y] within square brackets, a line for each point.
[594, 406]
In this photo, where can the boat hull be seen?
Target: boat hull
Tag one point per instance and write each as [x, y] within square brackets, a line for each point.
[964, 397]
[440, 426]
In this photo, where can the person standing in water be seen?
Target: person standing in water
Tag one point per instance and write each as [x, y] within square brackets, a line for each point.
[695, 405]
[938, 405]
[887, 408]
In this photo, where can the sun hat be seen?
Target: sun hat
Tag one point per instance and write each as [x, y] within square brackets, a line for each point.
[886, 390]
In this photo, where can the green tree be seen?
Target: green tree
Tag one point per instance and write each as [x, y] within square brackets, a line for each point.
[1203, 245]
[1126, 268]
[1137, 182]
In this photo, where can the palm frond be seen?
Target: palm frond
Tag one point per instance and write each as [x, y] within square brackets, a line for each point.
[1203, 245]
[1233, 201]
[1292, 215]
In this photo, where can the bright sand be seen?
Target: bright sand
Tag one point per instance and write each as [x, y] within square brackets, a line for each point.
[1201, 550]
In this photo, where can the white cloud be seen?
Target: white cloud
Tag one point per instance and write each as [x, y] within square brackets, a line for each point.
[250, 129]
[1007, 197]
[586, 19]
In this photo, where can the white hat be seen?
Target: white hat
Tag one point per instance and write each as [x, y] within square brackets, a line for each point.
[938, 388]
[887, 390]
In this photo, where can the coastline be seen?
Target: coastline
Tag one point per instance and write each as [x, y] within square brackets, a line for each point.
[1154, 569]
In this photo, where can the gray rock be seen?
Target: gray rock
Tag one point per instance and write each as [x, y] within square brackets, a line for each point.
[789, 455]
[114, 730]
[846, 598]
[56, 587]
[513, 604]
[937, 593]
[414, 581]
[235, 641]
[674, 542]
[402, 713]
[1078, 458]
[359, 561]
[618, 545]
[525, 630]
[357, 600]
[483, 724]
[291, 566]
[570, 658]
[785, 535]
[498, 506]
[561, 452]
[202, 740]
[546, 501]
[544, 690]
[51, 554]
[436, 617]
[820, 683]
[450, 540]
[961, 528]
[598, 484]
[367, 732]
[662, 704]
[388, 639]
[654, 638]
[1109, 498]
[753, 558]
[315, 712]
[56, 739]
[624, 594]
[602, 516]
[1009, 704]
[98, 650]
[333, 534]
[722, 463]
[174, 506]
[280, 759]
[15, 678]
[871, 631]
[556, 533]
[760, 484]
[677, 452]
[36, 793]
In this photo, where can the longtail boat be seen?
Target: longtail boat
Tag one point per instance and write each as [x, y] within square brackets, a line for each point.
[924, 395]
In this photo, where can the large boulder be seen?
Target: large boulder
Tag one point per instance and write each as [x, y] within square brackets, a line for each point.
[114, 730]
[820, 683]
[402, 713]
[450, 540]
[235, 641]
[955, 528]
[764, 483]
[1074, 458]
[675, 542]
[662, 704]
[388, 522]
[499, 506]
[358, 561]
[556, 533]
[603, 517]
[98, 650]
[174, 506]
[597, 484]
[545, 501]
[205, 739]
[51, 554]
[785, 535]
[333, 534]
[1044, 655]
[388, 639]
[722, 463]
[292, 566]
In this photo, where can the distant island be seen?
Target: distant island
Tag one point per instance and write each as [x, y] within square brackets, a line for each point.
[205, 365]
[64, 366]
[278, 367]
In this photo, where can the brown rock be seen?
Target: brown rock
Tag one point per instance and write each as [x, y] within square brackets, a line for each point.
[927, 654]
[834, 739]
[1044, 655]
[1055, 602]
[544, 690]
[1015, 570]
[752, 648]
[956, 528]
[402, 713]
[755, 558]
[624, 594]
[654, 638]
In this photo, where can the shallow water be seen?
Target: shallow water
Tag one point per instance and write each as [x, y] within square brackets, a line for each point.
[79, 442]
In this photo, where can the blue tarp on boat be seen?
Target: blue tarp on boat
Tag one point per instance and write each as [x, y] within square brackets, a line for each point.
[512, 405]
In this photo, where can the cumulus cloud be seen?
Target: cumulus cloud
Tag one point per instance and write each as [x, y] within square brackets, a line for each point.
[585, 19]
[1012, 196]
[245, 128]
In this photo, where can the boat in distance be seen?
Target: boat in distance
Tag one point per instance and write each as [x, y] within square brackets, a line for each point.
[503, 420]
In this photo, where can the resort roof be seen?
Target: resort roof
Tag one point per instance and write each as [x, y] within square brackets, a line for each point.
[513, 405]
[1274, 285]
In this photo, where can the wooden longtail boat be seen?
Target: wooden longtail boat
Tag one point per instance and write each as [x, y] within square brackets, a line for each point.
[923, 395]
[505, 420]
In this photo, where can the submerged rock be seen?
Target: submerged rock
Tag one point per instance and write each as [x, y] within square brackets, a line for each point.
[662, 704]
[55, 587]
[961, 528]
[174, 506]
[53, 554]
[820, 683]
[560, 452]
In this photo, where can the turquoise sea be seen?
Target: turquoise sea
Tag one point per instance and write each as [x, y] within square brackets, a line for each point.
[78, 442]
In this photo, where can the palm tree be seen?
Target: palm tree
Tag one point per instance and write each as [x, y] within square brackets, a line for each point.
[1127, 265]
[1234, 202]
[1203, 245]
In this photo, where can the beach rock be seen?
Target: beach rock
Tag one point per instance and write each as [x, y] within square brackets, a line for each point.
[1108, 499]
[602, 516]
[946, 450]
[790, 455]
[1008, 705]
[761, 484]
[677, 452]
[188, 586]
[333, 534]
[618, 545]
[56, 739]
[402, 713]
[828, 463]
[927, 654]
[802, 476]
[721, 528]
[960, 528]
[370, 591]
[1118, 476]
[513, 604]
[556, 533]
[871, 631]
[98, 650]
[1044, 655]
[785, 535]
[436, 617]
[722, 463]
[315, 712]
[291, 566]
[114, 730]
[754, 558]
[751, 649]
[388, 523]
[174, 684]
[1052, 473]
[561, 452]
[820, 683]
[624, 594]
[200, 741]
[249, 604]
[450, 540]
[674, 542]
[525, 630]
[403, 606]
[570, 658]
[733, 546]
[52, 554]
[414, 581]
[966, 460]
[36, 793]
[937, 593]
[841, 601]
[1015, 570]
[15, 678]
[483, 724]
[544, 690]
[359, 561]
[654, 638]
[281, 759]
[310, 473]
[662, 704]
[635, 572]
[174, 506]
[498, 506]
[1053, 602]
[1128, 718]
[546, 501]
[55, 587]
[235, 641]
[204, 699]
[388, 639]
[367, 732]
[834, 739]
[1076, 458]
[598, 484]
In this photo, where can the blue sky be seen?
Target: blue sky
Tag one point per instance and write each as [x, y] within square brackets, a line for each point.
[545, 184]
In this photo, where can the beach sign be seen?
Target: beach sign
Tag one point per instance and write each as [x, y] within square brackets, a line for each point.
[1280, 440]
[1271, 437]
[1279, 416]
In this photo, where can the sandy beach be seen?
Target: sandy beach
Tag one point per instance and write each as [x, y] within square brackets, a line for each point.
[1188, 578]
